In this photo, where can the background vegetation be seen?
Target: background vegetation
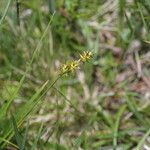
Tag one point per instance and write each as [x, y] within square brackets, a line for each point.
[104, 104]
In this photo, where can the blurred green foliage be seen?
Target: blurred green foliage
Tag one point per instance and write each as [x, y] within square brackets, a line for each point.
[81, 110]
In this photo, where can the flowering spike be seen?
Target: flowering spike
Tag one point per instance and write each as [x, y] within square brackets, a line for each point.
[86, 56]
[70, 67]
[73, 65]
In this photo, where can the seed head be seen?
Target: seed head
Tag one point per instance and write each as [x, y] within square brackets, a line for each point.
[73, 65]
[64, 69]
[70, 67]
[86, 56]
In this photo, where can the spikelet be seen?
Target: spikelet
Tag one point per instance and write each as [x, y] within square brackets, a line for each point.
[73, 65]
[86, 56]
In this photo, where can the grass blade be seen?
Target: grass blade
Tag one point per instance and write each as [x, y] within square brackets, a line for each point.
[5, 12]
[16, 131]
[133, 108]
[37, 138]
[8, 142]
[139, 146]
[142, 16]
[122, 7]
[25, 137]
[116, 127]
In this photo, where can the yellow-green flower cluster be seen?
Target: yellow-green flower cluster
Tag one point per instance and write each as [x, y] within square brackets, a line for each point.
[85, 56]
[73, 65]
[70, 66]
